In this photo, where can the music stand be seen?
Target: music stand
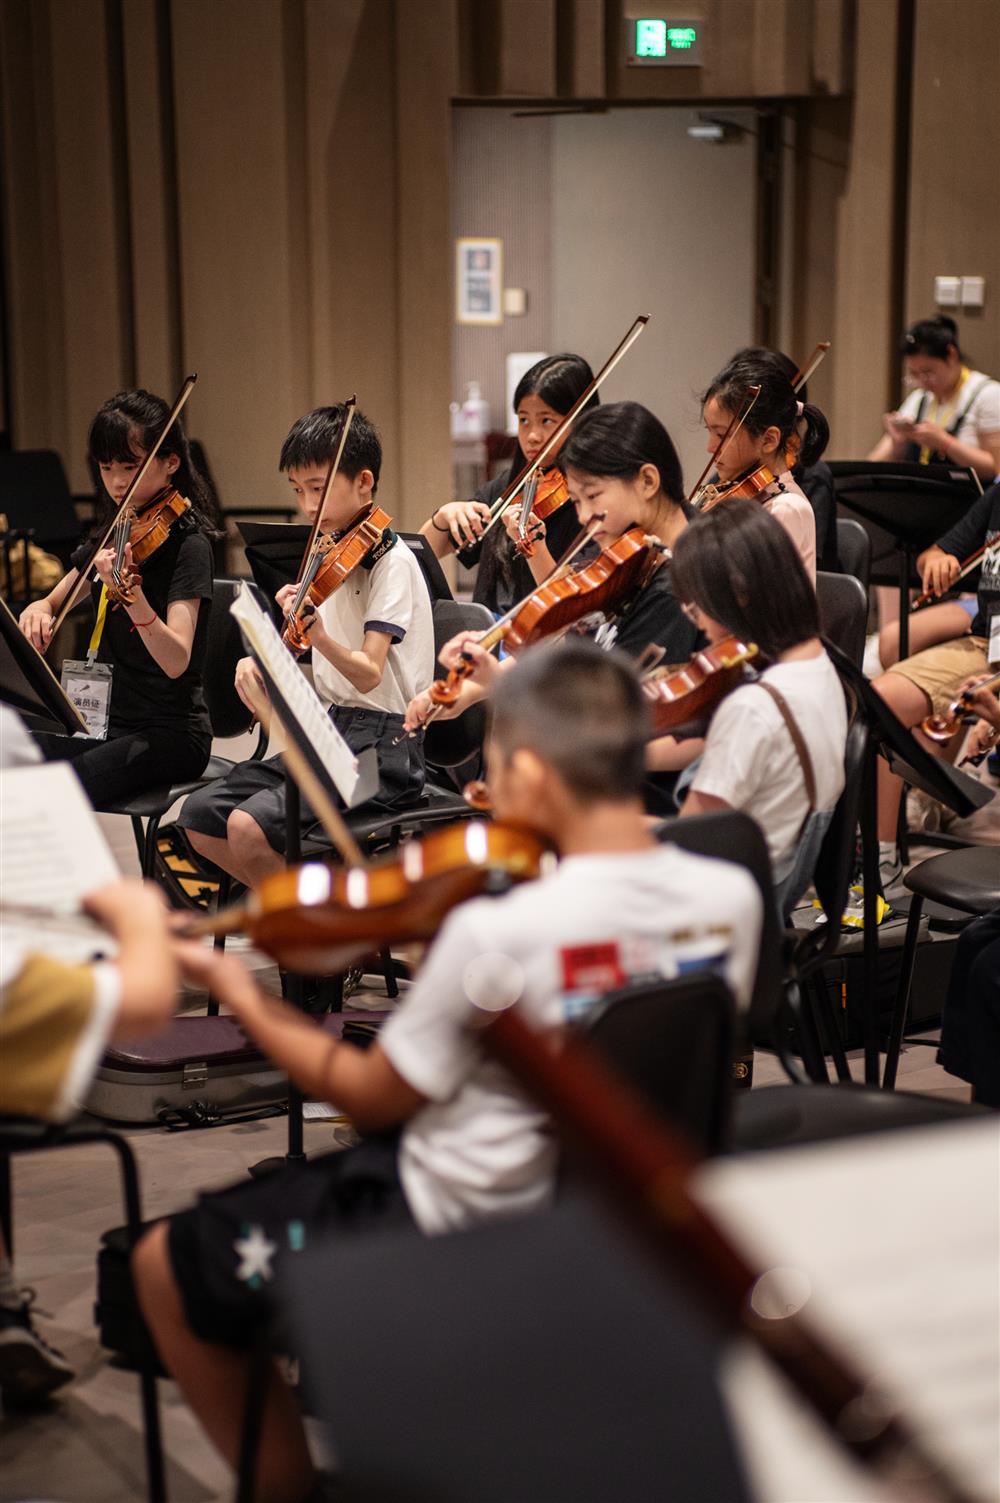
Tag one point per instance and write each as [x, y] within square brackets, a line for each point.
[909, 505]
[28, 684]
[889, 738]
[546, 1360]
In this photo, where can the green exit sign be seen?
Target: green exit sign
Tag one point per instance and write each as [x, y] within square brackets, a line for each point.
[664, 42]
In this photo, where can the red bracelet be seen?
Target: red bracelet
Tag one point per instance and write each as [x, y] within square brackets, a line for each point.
[144, 624]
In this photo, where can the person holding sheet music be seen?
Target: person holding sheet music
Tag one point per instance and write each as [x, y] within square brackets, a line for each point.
[927, 682]
[566, 760]
[147, 656]
[372, 646]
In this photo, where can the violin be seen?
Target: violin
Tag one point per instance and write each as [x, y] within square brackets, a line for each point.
[943, 727]
[685, 697]
[601, 585]
[543, 496]
[320, 918]
[143, 532]
[330, 562]
[751, 485]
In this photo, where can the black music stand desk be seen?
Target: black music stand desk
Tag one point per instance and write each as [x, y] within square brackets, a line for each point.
[28, 684]
[913, 503]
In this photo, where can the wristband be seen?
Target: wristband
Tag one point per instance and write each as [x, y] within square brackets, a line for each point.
[435, 525]
[144, 624]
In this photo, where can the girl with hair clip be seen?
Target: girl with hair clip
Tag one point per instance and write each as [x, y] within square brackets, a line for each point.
[776, 423]
[774, 747]
[153, 648]
[952, 416]
[543, 397]
[622, 471]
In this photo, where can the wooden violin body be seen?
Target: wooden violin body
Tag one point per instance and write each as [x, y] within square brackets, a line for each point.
[319, 918]
[943, 727]
[601, 585]
[143, 532]
[685, 697]
[750, 485]
[332, 560]
[550, 494]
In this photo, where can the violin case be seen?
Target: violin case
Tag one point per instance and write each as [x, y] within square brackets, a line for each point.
[200, 1071]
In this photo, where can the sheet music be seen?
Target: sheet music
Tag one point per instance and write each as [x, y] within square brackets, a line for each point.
[355, 779]
[898, 1236]
[52, 852]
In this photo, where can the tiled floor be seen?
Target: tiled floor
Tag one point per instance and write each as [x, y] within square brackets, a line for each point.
[87, 1447]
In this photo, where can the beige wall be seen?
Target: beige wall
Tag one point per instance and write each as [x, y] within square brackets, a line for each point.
[260, 189]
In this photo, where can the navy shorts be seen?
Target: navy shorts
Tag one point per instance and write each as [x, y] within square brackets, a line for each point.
[229, 1251]
[258, 788]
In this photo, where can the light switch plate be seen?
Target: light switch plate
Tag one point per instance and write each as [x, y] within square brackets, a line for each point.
[947, 291]
[973, 292]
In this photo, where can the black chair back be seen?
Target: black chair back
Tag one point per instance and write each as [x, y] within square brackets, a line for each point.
[430, 565]
[227, 712]
[733, 836]
[449, 743]
[673, 1040]
[843, 613]
[854, 547]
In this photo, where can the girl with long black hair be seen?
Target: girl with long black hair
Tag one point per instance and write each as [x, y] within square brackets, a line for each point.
[542, 399]
[153, 648]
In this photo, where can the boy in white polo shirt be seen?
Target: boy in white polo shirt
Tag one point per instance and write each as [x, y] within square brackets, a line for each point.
[566, 760]
[372, 646]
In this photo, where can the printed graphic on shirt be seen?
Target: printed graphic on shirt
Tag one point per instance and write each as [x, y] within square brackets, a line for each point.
[989, 580]
[591, 971]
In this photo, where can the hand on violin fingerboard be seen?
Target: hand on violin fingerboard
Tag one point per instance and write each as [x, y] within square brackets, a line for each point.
[534, 528]
[465, 646]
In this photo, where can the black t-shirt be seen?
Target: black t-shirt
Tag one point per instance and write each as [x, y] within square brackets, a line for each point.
[505, 577]
[816, 484]
[142, 695]
[979, 525]
[654, 616]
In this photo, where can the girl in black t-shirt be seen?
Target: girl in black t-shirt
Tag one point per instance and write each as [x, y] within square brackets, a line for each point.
[158, 729]
[542, 399]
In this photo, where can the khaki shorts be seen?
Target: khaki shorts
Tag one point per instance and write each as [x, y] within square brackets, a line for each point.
[942, 670]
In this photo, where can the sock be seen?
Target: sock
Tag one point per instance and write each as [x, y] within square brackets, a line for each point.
[888, 853]
[10, 1293]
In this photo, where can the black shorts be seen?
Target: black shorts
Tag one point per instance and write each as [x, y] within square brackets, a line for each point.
[258, 788]
[229, 1250]
[129, 762]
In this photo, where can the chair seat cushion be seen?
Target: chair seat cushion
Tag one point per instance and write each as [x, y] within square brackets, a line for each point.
[156, 801]
[968, 879]
[780, 1116]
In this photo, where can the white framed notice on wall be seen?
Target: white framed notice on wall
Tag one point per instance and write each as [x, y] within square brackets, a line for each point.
[478, 281]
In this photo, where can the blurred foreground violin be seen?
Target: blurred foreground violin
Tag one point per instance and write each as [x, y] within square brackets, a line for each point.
[943, 727]
[685, 697]
[317, 917]
[143, 532]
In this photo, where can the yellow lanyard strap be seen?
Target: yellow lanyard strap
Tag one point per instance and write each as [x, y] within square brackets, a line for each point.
[98, 632]
[943, 415]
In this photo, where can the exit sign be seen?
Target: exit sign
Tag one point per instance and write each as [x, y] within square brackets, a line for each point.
[664, 42]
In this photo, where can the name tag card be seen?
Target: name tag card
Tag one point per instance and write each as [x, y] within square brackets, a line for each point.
[88, 687]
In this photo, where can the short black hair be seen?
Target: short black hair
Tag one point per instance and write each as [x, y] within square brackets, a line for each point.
[777, 406]
[931, 336]
[618, 440]
[124, 429]
[314, 438]
[582, 711]
[739, 565]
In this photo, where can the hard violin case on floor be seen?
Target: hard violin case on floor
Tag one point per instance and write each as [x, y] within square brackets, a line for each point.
[200, 1070]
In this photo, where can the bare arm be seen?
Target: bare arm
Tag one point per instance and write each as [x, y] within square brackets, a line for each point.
[454, 526]
[36, 619]
[702, 803]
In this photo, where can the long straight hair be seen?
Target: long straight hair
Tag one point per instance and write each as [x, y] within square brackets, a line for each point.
[124, 429]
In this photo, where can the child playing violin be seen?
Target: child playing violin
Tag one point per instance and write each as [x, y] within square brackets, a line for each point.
[372, 642]
[566, 761]
[542, 399]
[754, 460]
[774, 747]
[151, 651]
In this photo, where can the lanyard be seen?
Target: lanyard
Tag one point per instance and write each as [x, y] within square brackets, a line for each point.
[98, 632]
[943, 416]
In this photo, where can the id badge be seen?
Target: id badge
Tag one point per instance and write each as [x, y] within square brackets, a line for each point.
[88, 686]
[993, 646]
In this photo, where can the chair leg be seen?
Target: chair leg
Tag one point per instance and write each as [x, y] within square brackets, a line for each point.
[901, 1004]
[389, 972]
[139, 832]
[831, 1028]
[253, 1409]
[149, 848]
[6, 1205]
[219, 943]
[147, 1376]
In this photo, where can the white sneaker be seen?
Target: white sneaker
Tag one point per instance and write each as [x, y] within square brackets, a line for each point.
[30, 1369]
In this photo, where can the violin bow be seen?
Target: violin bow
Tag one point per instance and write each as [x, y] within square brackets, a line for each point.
[736, 423]
[513, 491]
[81, 579]
[303, 579]
[811, 366]
[968, 564]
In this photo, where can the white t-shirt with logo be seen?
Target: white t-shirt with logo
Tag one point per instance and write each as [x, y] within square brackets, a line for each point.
[750, 759]
[791, 507]
[391, 597]
[481, 1148]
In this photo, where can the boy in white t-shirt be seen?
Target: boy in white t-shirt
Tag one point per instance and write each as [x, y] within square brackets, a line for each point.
[775, 747]
[567, 760]
[372, 646]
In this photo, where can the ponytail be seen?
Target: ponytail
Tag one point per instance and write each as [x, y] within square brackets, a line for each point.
[777, 406]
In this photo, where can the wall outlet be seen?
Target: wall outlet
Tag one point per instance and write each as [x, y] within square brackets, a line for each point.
[947, 291]
[973, 292]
